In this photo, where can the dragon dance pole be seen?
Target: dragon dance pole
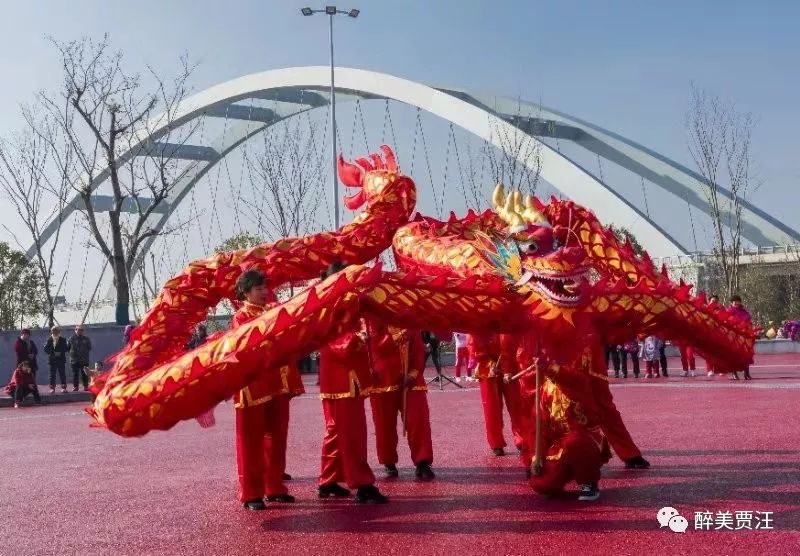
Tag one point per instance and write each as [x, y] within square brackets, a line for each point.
[537, 464]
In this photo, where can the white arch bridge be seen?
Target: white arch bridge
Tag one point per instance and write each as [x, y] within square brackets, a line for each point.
[301, 90]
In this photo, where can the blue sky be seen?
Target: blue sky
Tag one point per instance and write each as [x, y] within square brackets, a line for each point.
[625, 65]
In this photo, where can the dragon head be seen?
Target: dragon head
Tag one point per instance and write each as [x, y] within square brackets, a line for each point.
[378, 179]
[534, 255]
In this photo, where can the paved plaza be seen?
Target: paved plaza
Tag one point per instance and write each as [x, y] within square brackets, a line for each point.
[716, 446]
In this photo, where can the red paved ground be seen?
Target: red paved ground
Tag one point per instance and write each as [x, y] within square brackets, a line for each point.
[715, 446]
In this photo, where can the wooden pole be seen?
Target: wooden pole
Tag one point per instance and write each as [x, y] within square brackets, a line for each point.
[538, 460]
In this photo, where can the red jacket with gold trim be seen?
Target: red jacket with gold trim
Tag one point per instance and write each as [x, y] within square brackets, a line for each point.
[283, 380]
[509, 344]
[388, 351]
[344, 368]
[567, 405]
[485, 351]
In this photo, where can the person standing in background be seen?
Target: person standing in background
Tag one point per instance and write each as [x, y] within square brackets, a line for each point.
[56, 348]
[432, 344]
[630, 349]
[462, 354]
[80, 348]
[651, 348]
[26, 350]
[662, 358]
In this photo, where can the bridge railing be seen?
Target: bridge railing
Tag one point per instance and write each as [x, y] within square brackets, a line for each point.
[792, 252]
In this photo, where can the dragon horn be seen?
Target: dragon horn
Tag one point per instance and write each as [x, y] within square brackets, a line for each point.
[391, 160]
[531, 213]
[499, 196]
[510, 215]
[518, 206]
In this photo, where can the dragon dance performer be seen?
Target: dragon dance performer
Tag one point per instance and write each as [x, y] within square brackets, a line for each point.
[573, 442]
[345, 380]
[609, 418]
[398, 360]
[591, 362]
[262, 410]
[495, 356]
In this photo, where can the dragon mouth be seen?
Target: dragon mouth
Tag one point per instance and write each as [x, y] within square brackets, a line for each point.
[559, 289]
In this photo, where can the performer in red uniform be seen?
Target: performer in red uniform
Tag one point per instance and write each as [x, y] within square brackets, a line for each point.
[573, 442]
[495, 356]
[262, 411]
[398, 359]
[344, 380]
[592, 363]
[687, 359]
[608, 415]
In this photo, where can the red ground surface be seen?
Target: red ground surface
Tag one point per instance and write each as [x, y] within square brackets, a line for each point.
[715, 446]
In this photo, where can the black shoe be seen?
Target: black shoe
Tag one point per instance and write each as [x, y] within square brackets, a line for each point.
[333, 489]
[637, 463]
[499, 452]
[425, 472]
[589, 493]
[281, 498]
[370, 495]
[287, 477]
[391, 471]
[616, 375]
[625, 375]
[256, 505]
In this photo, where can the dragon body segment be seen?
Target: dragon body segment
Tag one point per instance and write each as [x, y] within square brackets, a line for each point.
[550, 269]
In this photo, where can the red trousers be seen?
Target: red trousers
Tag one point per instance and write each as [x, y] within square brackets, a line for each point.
[687, 358]
[386, 406]
[611, 421]
[261, 432]
[583, 453]
[344, 448]
[493, 392]
[462, 360]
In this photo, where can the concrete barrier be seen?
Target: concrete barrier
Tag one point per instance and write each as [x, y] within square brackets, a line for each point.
[106, 340]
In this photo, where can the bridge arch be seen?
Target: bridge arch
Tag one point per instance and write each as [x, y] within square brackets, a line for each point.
[301, 89]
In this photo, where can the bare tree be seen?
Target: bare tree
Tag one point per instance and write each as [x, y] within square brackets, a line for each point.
[517, 145]
[36, 166]
[111, 111]
[719, 142]
[286, 177]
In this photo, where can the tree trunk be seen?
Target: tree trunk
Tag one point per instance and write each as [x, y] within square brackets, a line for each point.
[120, 270]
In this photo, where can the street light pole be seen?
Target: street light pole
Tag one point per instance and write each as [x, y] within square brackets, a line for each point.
[331, 11]
[333, 134]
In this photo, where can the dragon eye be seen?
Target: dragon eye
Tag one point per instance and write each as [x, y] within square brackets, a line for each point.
[528, 247]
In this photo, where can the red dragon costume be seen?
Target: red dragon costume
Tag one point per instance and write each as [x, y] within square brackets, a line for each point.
[523, 267]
